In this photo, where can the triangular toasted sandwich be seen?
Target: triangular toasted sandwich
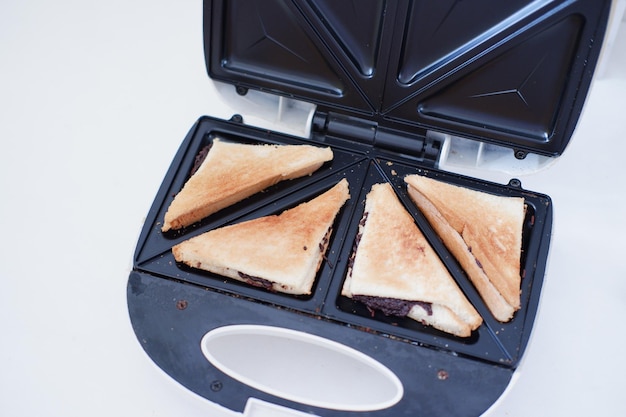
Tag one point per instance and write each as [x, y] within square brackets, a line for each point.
[231, 172]
[484, 233]
[280, 252]
[394, 269]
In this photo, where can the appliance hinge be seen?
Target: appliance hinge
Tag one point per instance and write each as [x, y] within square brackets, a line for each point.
[340, 127]
[410, 144]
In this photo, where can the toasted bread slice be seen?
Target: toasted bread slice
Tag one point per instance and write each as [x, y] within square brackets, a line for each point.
[483, 231]
[394, 264]
[280, 252]
[234, 171]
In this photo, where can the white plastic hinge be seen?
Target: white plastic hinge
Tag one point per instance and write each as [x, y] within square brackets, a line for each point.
[485, 160]
[269, 111]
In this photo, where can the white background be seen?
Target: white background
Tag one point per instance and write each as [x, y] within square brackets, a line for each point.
[95, 98]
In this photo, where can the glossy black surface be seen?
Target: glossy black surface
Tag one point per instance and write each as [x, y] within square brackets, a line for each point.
[514, 73]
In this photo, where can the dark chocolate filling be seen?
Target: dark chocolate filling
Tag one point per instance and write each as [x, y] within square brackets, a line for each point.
[200, 157]
[469, 248]
[355, 246]
[256, 281]
[324, 244]
[389, 306]
[392, 306]
[269, 285]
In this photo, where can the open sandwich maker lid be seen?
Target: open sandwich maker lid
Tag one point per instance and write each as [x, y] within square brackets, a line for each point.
[514, 73]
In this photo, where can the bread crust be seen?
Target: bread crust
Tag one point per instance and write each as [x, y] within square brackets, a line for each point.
[234, 171]
[394, 260]
[483, 232]
[285, 249]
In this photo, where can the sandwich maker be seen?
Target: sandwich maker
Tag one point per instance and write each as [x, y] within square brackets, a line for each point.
[394, 88]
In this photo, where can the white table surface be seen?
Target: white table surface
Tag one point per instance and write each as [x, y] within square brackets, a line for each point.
[95, 98]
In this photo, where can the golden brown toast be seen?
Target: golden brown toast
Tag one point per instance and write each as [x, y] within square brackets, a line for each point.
[279, 252]
[393, 260]
[234, 171]
[483, 231]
